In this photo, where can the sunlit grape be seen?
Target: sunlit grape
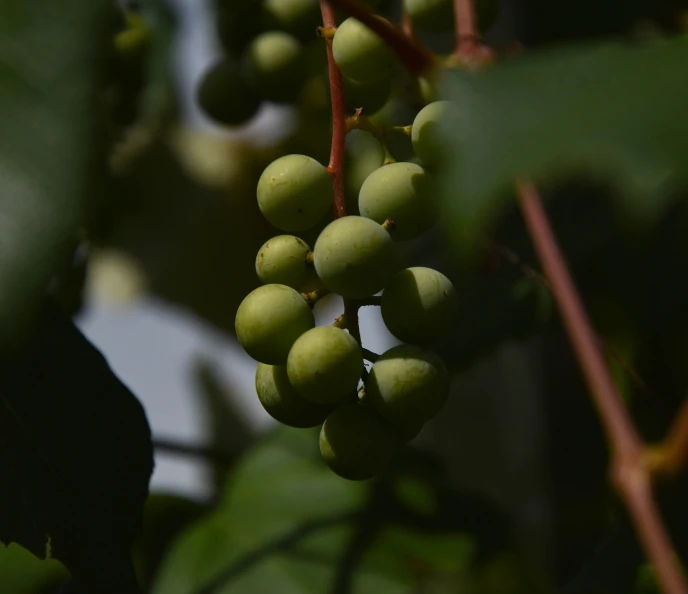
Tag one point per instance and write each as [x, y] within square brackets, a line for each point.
[282, 260]
[361, 54]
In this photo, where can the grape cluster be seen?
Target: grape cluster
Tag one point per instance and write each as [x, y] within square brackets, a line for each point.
[310, 375]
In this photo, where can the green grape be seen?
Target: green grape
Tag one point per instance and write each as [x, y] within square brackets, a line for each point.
[298, 17]
[371, 97]
[363, 155]
[325, 365]
[224, 95]
[282, 260]
[356, 443]
[294, 192]
[361, 54]
[419, 305]
[269, 320]
[407, 386]
[437, 16]
[283, 403]
[427, 89]
[402, 192]
[354, 257]
[430, 131]
[275, 66]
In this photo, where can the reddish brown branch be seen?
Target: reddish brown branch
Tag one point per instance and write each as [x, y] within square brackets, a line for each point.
[672, 455]
[467, 38]
[407, 24]
[336, 165]
[416, 57]
[629, 472]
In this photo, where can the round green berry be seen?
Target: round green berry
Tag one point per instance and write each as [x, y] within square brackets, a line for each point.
[407, 386]
[363, 155]
[298, 17]
[356, 443]
[402, 192]
[419, 305]
[224, 95]
[269, 320]
[283, 403]
[282, 260]
[429, 133]
[354, 257]
[325, 365]
[361, 54]
[275, 67]
[370, 97]
[294, 192]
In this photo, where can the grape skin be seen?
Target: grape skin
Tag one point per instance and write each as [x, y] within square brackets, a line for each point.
[407, 385]
[401, 192]
[298, 17]
[224, 95]
[361, 54]
[274, 65]
[269, 320]
[429, 132]
[363, 155]
[325, 365]
[370, 97]
[283, 403]
[356, 443]
[419, 305]
[354, 257]
[294, 192]
[282, 260]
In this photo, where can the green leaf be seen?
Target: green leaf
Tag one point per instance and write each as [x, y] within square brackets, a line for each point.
[75, 456]
[48, 79]
[610, 110]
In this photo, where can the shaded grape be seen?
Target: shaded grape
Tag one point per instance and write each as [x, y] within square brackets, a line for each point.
[371, 97]
[354, 257]
[294, 192]
[283, 403]
[224, 95]
[363, 155]
[269, 320]
[282, 260]
[402, 192]
[407, 386]
[419, 305]
[361, 54]
[357, 443]
[430, 131]
[325, 365]
[301, 18]
[275, 66]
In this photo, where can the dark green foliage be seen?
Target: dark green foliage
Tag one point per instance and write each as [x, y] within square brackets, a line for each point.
[75, 455]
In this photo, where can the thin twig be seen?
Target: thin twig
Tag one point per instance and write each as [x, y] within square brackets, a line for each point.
[671, 456]
[467, 38]
[279, 545]
[416, 57]
[629, 472]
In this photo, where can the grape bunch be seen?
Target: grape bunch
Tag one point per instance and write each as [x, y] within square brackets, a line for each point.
[308, 375]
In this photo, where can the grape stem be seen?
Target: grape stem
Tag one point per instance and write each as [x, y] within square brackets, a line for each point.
[336, 166]
[630, 470]
[360, 122]
[467, 37]
[375, 300]
[370, 356]
[417, 58]
[314, 296]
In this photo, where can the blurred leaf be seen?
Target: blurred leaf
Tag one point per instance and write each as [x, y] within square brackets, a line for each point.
[75, 456]
[614, 111]
[49, 61]
[22, 573]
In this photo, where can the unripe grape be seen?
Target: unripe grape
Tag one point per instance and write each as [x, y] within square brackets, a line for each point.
[294, 192]
[437, 16]
[298, 17]
[361, 54]
[356, 443]
[283, 403]
[282, 260]
[370, 97]
[430, 131]
[269, 320]
[402, 192]
[407, 385]
[274, 65]
[354, 257]
[419, 305]
[325, 365]
[363, 155]
[224, 95]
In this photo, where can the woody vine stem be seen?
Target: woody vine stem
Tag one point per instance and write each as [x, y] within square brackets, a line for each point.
[633, 463]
